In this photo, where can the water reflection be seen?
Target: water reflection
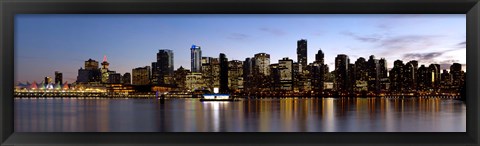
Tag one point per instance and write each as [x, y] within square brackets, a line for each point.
[262, 115]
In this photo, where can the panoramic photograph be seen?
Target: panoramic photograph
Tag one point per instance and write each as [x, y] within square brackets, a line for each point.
[240, 73]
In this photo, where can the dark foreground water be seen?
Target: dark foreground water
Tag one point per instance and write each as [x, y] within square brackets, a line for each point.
[257, 115]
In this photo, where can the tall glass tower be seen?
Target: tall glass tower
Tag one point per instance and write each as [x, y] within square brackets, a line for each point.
[196, 58]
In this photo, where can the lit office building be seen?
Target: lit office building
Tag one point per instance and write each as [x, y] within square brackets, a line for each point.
[90, 74]
[91, 64]
[207, 72]
[141, 76]
[164, 67]
[196, 58]
[180, 77]
[397, 77]
[341, 72]
[302, 53]
[286, 71]
[235, 75]
[194, 81]
[373, 74]
[261, 64]
[104, 70]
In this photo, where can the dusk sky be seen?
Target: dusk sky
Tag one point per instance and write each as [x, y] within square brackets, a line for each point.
[48, 43]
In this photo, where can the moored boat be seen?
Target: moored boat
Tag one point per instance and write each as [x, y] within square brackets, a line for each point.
[217, 97]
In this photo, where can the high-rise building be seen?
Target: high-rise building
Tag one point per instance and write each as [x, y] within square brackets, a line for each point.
[373, 74]
[164, 66]
[302, 53]
[127, 78]
[194, 81]
[58, 77]
[286, 71]
[114, 78]
[397, 76]
[317, 76]
[446, 81]
[383, 71]
[155, 75]
[215, 65]
[180, 77]
[235, 75]
[223, 73]
[341, 72]
[104, 70]
[423, 74]
[91, 73]
[247, 74]
[457, 75]
[261, 64]
[410, 76]
[196, 58]
[48, 80]
[433, 78]
[91, 64]
[383, 68]
[320, 57]
[361, 70]
[141, 76]
[298, 80]
[317, 72]
[275, 77]
[247, 67]
[207, 72]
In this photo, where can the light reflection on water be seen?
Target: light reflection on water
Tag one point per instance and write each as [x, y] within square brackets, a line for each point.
[254, 115]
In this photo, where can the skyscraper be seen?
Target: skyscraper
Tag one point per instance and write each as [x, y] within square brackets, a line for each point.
[114, 78]
[247, 74]
[317, 72]
[360, 75]
[180, 77]
[127, 78]
[302, 53]
[91, 64]
[196, 58]
[433, 77]
[457, 75]
[319, 57]
[397, 76]
[235, 75]
[286, 71]
[91, 73]
[261, 64]
[223, 73]
[422, 78]
[164, 65]
[410, 75]
[104, 70]
[341, 72]
[207, 72]
[155, 75]
[373, 74]
[58, 77]
[141, 76]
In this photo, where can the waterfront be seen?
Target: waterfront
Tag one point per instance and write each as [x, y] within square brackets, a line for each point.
[252, 115]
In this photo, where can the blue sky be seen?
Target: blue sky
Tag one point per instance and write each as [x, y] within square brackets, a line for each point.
[47, 43]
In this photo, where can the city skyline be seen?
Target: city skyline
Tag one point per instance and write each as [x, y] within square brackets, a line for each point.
[440, 47]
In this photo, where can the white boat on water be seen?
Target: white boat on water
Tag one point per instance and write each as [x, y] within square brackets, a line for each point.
[216, 97]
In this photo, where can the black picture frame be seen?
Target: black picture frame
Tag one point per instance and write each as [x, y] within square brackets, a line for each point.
[9, 8]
